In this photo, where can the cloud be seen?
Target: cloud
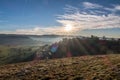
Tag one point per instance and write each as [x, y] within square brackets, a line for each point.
[70, 9]
[89, 20]
[94, 16]
[117, 7]
[37, 31]
[89, 5]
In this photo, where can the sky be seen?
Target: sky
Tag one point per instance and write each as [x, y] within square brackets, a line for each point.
[38, 17]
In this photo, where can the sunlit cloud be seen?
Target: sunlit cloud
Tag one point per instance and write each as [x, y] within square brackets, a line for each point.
[36, 31]
[94, 16]
[91, 19]
[117, 7]
[89, 5]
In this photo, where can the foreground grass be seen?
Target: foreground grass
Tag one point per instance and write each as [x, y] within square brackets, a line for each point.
[100, 67]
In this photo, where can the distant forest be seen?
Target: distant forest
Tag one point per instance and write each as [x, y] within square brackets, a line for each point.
[82, 46]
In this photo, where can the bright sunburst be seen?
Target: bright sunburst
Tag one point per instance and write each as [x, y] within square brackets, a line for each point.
[68, 28]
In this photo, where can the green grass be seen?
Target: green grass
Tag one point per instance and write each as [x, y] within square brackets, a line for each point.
[99, 67]
[13, 54]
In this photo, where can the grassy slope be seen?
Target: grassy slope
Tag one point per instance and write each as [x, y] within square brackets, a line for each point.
[104, 67]
[6, 56]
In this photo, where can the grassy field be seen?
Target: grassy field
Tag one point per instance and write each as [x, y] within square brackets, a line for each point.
[15, 54]
[99, 67]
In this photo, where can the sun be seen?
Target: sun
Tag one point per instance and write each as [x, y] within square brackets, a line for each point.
[68, 28]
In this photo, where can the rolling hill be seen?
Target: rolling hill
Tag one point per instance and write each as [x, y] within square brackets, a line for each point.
[99, 67]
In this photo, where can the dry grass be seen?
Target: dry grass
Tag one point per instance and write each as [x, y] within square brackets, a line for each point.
[100, 67]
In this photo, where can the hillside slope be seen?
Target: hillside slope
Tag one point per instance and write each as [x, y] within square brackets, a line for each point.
[99, 67]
